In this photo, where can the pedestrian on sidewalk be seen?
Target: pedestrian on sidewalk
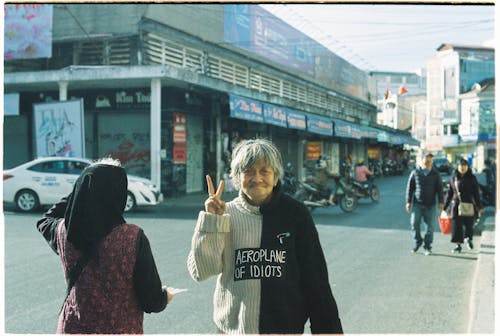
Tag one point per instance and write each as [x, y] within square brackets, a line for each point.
[463, 188]
[108, 264]
[265, 251]
[423, 187]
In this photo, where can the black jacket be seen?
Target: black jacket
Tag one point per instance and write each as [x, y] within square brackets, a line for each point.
[314, 298]
[423, 189]
[469, 192]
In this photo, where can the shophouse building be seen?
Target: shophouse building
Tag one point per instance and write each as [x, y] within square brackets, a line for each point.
[171, 89]
[477, 127]
[451, 75]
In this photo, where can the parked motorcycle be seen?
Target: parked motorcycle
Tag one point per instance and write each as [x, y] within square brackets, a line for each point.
[314, 196]
[290, 182]
[375, 167]
[392, 167]
[366, 189]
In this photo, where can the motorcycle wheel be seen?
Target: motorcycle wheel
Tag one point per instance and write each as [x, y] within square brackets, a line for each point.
[348, 203]
[375, 194]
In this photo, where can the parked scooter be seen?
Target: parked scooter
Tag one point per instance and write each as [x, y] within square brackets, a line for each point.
[375, 167]
[366, 189]
[290, 182]
[314, 196]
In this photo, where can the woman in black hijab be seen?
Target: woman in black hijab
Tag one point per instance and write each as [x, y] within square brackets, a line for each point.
[463, 188]
[108, 264]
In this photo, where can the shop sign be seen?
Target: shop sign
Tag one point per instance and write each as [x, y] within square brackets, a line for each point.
[313, 150]
[356, 132]
[179, 127]
[179, 153]
[246, 109]
[275, 115]
[373, 153]
[296, 120]
[369, 132]
[132, 99]
[11, 104]
[382, 136]
[469, 138]
[319, 125]
[483, 136]
[342, 129]
[396, 140]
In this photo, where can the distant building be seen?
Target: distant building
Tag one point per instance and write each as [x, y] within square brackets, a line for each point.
[477, 128]
[452, 72]
[387, 91]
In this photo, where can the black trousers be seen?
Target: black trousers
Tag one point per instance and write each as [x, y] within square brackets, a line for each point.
[457, 230]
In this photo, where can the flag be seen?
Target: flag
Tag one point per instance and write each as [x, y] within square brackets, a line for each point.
[402, 90]
[387, 94]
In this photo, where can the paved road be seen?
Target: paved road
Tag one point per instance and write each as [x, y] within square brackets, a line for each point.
[379, 285]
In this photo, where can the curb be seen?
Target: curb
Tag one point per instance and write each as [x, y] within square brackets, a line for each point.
[482, 300]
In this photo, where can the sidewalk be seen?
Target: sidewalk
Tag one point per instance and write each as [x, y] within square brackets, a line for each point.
[482, 300]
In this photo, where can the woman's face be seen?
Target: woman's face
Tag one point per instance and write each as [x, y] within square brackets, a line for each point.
[462, 169]
[257, 183]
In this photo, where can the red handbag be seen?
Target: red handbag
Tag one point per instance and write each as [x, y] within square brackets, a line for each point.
[445, 224]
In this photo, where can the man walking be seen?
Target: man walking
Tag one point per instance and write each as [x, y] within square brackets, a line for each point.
[424, 184]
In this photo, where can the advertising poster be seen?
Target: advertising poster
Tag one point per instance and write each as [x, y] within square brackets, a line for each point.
[253, 28]
[27, 31]
[59, 128]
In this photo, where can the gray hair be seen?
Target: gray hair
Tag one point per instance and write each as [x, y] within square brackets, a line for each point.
[107, 161]
[248, 152]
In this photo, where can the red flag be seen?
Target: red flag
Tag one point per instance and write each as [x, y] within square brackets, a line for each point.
[402, 90]
[387, 94]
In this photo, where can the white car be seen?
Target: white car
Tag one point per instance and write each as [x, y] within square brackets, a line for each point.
[45, 181]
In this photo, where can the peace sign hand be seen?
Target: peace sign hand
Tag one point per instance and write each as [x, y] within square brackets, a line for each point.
[214, 204]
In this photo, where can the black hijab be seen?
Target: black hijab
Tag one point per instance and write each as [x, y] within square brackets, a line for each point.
[95, 206]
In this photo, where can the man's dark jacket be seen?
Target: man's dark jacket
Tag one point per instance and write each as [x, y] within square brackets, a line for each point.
[422, 189]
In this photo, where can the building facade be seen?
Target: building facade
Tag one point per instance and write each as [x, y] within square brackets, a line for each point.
[477, 128]
[173, 90]
[454, 71]
[389, 89]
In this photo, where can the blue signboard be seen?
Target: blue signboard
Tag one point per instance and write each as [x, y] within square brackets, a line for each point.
[486, 136]
[275, 115]
[244, 108]
[343, 129]
[253, 28]
[319, 125]
[296, 120]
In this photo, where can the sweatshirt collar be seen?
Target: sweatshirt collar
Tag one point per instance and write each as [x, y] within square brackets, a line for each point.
[243, 205]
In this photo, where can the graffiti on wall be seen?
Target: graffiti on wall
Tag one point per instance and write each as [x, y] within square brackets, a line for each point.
[59, 128]
[132, 149]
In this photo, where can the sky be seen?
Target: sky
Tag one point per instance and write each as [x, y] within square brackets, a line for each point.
[397, 37]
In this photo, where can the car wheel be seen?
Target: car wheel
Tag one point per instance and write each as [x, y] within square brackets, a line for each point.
[27, 200]
[130, 204]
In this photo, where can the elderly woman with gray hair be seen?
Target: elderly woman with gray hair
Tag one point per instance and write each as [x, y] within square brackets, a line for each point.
[265, 250]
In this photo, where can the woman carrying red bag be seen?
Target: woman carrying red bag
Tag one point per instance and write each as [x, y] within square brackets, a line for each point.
[463, 188]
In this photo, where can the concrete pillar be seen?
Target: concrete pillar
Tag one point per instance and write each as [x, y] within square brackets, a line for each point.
[218, 137]
[63, 91]
[155, 133]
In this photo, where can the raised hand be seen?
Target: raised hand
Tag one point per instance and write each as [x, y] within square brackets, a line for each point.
[214, 204]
